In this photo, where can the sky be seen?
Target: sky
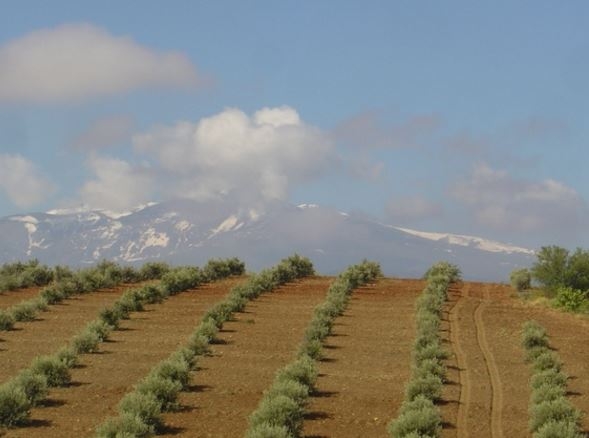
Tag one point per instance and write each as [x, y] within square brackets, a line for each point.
[457, 116]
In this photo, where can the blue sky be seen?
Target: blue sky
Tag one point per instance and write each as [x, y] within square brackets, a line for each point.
[442, 116]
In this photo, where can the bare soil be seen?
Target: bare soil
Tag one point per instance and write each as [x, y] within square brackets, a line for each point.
[52, 329]
[367, 363]
[9, 298]
[104, 378]
[362, 379]
[488, 394]
[231, 381]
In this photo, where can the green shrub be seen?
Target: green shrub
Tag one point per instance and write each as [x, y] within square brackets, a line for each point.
[125, 426]
[52, 295]
[199, 344]
[547, 392]
[571, 300]
[445, 269]
[290, 388]
[54, 370]
[25, 311]
[101, 328]
[559, 429]
[433, 350]
[152, 294]
[429, 386]
[130, 301]
[175, 369]
[165, 391]
[153, 270]
[419, 417]
[548, 377]
[14, 406]
[111, 316]
[143, 406]
[67, 356]
[208, 329]
[86, 342]
[6, 321]
[558, 410]
[268, 431]
[534, 335]
[302, 370]
[547, 360]
[520, 279]
[33, 385]
[279, 410]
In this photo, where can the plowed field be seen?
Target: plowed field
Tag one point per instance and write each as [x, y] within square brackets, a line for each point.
[362, 376]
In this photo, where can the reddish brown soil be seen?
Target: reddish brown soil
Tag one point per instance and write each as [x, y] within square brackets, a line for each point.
[488, 395]
[11, 297]
[367, 363]
[103, 378]
[230, 383]
[52, 329]
[362, 379]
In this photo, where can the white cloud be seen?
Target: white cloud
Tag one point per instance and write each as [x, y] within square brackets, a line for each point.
[105, 132]
[412, 208]
[117, 184]
[22, 182]
[503, 202]
[258, 157]
[78, 61]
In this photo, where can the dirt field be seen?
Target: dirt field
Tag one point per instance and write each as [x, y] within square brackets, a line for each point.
[362, 378]
[11, 297]
[488, 395]
[367, 362]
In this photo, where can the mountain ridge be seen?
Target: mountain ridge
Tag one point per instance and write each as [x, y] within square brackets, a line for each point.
[184, 231]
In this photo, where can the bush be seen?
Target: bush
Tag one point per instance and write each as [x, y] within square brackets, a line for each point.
[571, 300]
[152, 294]
[534, 336]
[52, 295]
[101, 328]
[6, 321]
[86, 342]
[445, 269]
[165, 391]
[53, 369]
[419, 417]
[25, 311]
[550, 377]
[429, 386]
[279, 410]
[558, 429]
[33, 385]
[302, 370]
[175, 369]
[67, 356]
[547, 392]
[268, 431]
[559, 410]
[520, 279]
[125, 426]
[14, 406]
[144, 407]
[153, 270]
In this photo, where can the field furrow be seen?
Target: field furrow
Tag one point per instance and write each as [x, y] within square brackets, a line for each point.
[52, 330]
[367, 363]
[230, 382]
[102, 379]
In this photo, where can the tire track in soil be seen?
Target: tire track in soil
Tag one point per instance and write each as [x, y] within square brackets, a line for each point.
[478, 369]
[493, 372]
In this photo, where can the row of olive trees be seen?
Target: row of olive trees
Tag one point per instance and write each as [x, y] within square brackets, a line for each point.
[551, 413]
[30, 386]
[140, 411]
[418, 415]
[68, 283]
[280, 413]
[18, 275]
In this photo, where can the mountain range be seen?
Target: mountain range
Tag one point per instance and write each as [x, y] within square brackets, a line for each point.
[191, 232]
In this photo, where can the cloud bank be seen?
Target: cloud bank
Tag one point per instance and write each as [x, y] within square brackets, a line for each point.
[104, 132]
[255, 158]
[79, 61]
[21, 181]
[502, 202]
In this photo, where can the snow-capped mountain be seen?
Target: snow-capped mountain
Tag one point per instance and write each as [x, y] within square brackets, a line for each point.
[189, 232]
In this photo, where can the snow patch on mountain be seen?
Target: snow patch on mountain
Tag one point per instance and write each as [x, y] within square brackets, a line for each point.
[230, 224]
[464, 240]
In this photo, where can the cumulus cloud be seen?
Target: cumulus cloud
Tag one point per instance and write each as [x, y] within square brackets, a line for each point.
[500, 201]
[22, 182]
[368, 130]
[78, 61]
[258, 157]
[104, 132]
[117, 185]
[412, 208]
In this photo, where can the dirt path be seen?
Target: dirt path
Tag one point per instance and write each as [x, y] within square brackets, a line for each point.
[53, 329]
[230, 383]
[103, 378]
[367, 364]
[480, 399]
[12, 297]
